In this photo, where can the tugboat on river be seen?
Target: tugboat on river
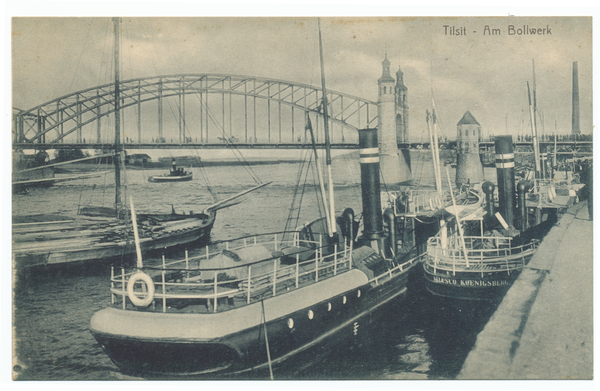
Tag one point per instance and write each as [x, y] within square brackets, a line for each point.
[482, 265]
[175, 175]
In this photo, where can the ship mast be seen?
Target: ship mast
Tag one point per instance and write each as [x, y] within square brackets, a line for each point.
[331, 219]
[117, 157]
[532, 114]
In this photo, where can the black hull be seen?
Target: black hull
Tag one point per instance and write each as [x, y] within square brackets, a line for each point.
[245, 351]
[169, 179]
[469, 286]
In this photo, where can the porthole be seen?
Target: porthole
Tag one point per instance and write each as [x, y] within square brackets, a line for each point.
[311, 314]
[344, 300]
[290, 323]
[358, 293]
[328, 306]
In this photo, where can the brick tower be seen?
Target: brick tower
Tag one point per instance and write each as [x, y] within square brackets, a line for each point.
[393, 165]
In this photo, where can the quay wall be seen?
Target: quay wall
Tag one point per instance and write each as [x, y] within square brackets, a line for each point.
[543, 328]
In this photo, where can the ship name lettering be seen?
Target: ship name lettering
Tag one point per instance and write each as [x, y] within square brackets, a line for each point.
[447, 281]
[483, 283]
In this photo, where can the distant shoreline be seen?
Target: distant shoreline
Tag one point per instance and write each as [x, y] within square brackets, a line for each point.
[87, 166]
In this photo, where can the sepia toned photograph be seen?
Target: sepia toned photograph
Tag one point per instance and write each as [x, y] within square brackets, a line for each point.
[301, 198]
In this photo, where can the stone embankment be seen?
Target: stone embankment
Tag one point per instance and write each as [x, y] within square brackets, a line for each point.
[543, 329]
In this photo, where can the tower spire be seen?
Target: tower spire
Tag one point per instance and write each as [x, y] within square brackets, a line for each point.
[386, 77]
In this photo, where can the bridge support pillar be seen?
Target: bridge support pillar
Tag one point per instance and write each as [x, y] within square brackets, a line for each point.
[394, 169]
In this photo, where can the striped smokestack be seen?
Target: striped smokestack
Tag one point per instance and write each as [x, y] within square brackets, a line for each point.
[505, 171]
[575, 115]
[369, 172]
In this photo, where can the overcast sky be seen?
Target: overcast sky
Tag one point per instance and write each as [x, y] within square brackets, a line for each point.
[475, 71]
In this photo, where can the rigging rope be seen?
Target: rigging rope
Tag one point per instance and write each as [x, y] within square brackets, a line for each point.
[303, 168]
[385, 186]
[227, 141]
[80, 55]
[200, 164]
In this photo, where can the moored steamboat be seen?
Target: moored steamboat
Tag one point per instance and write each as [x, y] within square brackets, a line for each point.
[253, 302]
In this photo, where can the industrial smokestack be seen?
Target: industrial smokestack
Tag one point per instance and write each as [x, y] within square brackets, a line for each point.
[575, 115]
[369, 171]
[505, 171]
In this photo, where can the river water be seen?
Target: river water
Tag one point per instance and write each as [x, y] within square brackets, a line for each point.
[422, 337]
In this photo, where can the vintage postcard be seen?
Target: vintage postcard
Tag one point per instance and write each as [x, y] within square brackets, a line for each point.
[302, 198]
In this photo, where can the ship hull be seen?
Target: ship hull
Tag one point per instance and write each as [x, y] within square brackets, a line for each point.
[174, 178]
[294, 328]
[468, 286]
[93, 246]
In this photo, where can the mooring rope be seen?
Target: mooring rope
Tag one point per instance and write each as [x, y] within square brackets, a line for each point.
[264, 318]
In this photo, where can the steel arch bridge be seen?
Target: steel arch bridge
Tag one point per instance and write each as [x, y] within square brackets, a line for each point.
[225, 108]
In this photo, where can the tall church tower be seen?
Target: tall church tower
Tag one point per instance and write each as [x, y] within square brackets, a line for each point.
[392, 163]
[401, 108]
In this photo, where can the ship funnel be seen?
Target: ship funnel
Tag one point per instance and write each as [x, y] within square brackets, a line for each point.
[505, 171]
[371, 198]
[173, 163]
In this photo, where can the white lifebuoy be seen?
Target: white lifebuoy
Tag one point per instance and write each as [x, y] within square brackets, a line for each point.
[136, 300]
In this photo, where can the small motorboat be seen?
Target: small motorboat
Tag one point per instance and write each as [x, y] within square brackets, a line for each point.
[175, 175]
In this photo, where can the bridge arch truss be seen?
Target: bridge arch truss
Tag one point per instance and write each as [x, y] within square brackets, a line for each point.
[223, 108]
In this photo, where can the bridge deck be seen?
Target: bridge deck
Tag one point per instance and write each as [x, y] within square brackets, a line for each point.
[486, 145]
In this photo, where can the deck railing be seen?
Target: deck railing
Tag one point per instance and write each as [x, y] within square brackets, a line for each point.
[187, 280]
[295, 263]
[483, 253]
[420, 201]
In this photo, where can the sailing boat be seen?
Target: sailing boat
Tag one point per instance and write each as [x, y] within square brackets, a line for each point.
[103, 233]
[251, 303]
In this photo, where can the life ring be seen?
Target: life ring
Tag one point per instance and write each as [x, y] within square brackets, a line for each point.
[136, 300]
